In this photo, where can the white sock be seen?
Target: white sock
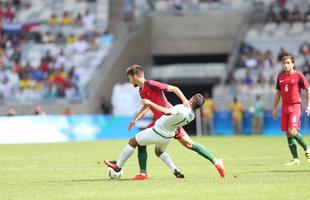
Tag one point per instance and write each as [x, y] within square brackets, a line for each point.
[126, 153]
[167, 160]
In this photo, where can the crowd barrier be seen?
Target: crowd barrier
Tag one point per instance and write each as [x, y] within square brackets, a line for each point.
[59, 128]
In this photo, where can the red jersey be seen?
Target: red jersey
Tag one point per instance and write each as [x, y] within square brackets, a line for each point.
[290, 86]
[154, 91]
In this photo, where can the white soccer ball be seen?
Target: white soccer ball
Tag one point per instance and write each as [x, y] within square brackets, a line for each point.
[113, 174]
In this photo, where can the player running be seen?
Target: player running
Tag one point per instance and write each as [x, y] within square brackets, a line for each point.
[154, 91]
[161, 133]
[289, 85]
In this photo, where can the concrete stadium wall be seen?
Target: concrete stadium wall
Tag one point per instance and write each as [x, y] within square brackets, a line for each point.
[190, 35]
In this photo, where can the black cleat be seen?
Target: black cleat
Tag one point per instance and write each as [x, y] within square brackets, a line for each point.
[178, 174]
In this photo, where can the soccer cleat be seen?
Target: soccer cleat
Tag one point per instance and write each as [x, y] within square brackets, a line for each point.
[178, 174]
[307, 154]
[140, 177]
[220, 167]
[293, 162]
[112, 164]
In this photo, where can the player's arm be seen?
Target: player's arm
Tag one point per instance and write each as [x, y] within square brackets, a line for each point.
[308, 101]
[275, 103]
[179, 93]
[159, 108]
[140, 114]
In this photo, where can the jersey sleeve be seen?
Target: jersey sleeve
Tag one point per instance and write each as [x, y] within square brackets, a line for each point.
[303, 81]
[278, 84]
[158, 85]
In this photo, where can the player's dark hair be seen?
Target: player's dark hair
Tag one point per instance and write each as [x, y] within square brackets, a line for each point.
[288, 56]
[199, 100]
[134, 70]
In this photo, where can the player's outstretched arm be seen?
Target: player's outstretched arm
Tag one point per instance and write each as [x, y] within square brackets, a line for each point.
[275, 104]
[179, 93]
[140, 114]
[161, 109]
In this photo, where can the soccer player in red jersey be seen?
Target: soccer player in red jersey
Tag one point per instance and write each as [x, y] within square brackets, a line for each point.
[154, 91]
[289, 85]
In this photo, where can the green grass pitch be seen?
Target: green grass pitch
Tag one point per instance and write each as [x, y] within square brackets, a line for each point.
[255, 170]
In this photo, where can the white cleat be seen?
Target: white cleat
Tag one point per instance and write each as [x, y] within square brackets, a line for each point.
[293, 162]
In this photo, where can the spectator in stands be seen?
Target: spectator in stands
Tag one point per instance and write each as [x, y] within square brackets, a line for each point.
[304, 49]
[72, 39]
[61, 91]
[307, 15]
[61, 59]
[245, 48]
[281, 53]
[9, 14]
[285, 14]
[252, 61]
[208, 110]
[44, 65]
[267, 60]
[10, 111]
[296, 15]
[60, 39]
[88, 21]
[24, 82]
[231, 80]
[48, 37]
[17, 67]
[53, 20]
[48, 57]
[305, 68]
[237, 116]
[16, 54]
[81, 45]
[273, 16]
[260, 79]
[73, 77]
[258, 115]
[248, 80]
[78, 20]
[66, 19]
[38, 110]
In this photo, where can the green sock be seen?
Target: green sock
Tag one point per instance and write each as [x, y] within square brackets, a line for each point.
[292, 146]
[142, 157]
[301, 141]
[201, 150]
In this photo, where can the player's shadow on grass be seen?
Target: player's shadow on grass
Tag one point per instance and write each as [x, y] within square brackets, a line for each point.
[88, 180]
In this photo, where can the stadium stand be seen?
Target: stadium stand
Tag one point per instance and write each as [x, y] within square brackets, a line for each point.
[285, 28]
[51, 49]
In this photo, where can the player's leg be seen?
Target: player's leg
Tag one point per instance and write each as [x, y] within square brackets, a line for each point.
[296, 134]
[126, 153]
[186, 141]
[287, 126]
[164, 156]
[142, 159]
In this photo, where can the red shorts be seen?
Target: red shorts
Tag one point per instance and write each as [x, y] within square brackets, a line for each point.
[290, 116]
[179, 133]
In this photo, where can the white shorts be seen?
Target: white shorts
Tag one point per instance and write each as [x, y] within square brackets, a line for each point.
[148, 136]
